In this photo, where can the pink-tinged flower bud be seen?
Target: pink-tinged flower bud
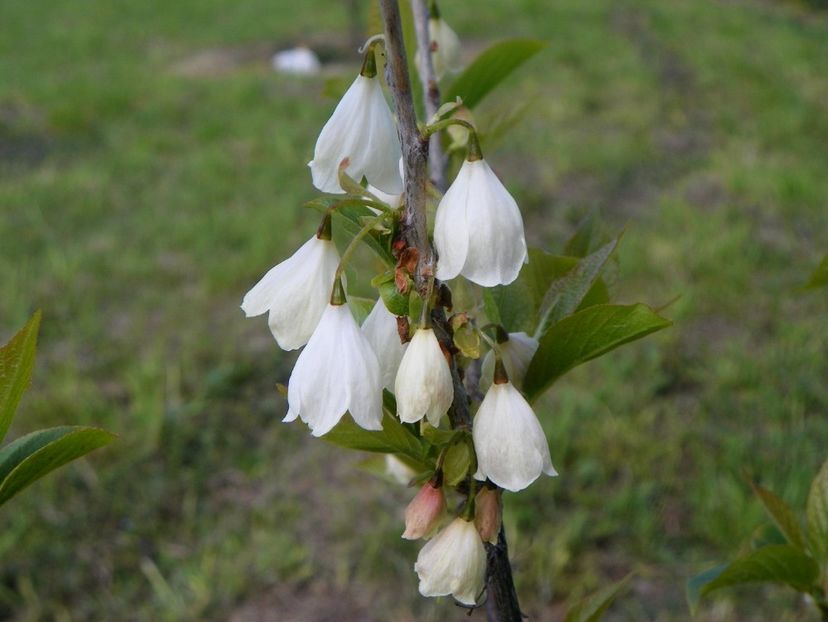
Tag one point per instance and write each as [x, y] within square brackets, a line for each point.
[488, 513]
[423, 514]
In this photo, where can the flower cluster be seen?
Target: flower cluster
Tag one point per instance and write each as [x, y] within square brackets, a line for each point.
[408, 348]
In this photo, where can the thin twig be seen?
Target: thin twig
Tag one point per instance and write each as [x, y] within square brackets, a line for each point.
[438, 163]
[414, 146]
[502, 602]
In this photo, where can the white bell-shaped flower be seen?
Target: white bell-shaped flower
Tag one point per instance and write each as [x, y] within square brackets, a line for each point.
[380, 327]
[516, 353]
[509, 442]
[478, 230]
[445, 48]
[336, 372]
[295, 292]
[453, 562]
[362, 131]
[423, 386]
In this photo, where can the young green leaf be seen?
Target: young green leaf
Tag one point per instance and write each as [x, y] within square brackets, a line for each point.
[30, 457]
[586, 335]
[593, 607]
[394, 438]
[566, 293]
[456, 464]
[16, 363]
[695, 585]
[490, 69]
[349, 219]
[781, 515]
[779, 563]
[360, 307]
[817, 514]
[515, 306]
[820, 276]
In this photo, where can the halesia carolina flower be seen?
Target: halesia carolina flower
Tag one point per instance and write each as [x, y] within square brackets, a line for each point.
[453, 562]
[295, 292]
[361, 130]
[423, 386]
[478, 230]
[424, 513]
[445, 48]
[336, 372]
[488, 514]
[516, 353]
[509, 442]
[380, 328]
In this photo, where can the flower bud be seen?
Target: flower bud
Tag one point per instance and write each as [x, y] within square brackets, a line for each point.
[453, 562]
[423, 514]
[488, 513]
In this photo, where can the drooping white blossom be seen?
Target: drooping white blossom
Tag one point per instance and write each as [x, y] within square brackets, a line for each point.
[380, 327]
[361, 130]
[423, 386]
[509, 442]
[516, 354]
[295, 292]
[336, 372]
[453, 562]
[445, 48]
[478, 230]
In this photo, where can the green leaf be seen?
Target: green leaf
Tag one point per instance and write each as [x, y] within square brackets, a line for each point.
[781, 515]
[395, 302]
[695, 585]
[394, 438]
[515, 306]
[348, 220]
[817, 514]
[592, 608]
[30, 457]
[490, 69]
[360, 307]
[820, 276]
[456, 463]
[778, 563]
[566, 293]
[16, 363]
[586, 335]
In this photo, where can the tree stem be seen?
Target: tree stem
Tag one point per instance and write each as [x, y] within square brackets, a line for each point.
[414, 146]
[438, 163]
[502, 602]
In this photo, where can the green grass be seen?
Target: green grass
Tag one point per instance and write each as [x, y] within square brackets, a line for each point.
[140, 200]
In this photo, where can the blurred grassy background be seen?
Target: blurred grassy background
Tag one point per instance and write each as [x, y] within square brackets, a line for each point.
[151, 169]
